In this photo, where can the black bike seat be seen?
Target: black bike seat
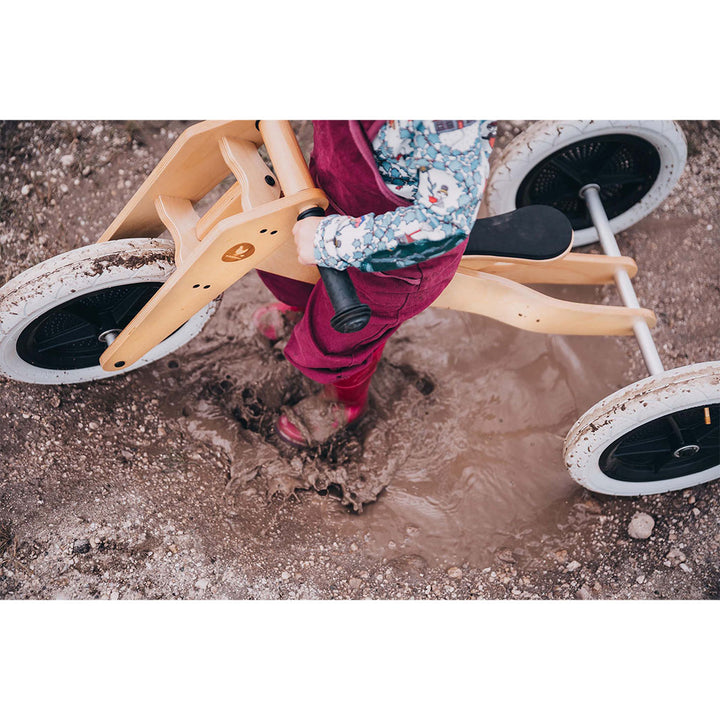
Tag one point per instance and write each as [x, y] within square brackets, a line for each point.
[535, 232]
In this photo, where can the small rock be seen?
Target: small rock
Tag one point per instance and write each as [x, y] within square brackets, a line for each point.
[86, 170]
[640, 579]
[285, 575]
[26, 189]
[685, 568]
[641, 526]
[55, 401]
[67, 160]
[355, 583]
[572, 566]
[97, 130]
[583, 593]
[696, 512]
[675, 557]
[114, 595]
[455, 572]
[202, 584]
[80, 547]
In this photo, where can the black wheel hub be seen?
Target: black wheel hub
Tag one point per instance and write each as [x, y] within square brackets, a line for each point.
[68, 336]
[624, 166]
[675, 445]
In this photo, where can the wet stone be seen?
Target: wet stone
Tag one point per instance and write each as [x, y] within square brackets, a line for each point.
[80, 547]
[583, 593]
[641, 526]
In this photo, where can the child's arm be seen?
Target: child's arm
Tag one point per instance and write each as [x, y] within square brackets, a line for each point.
[451, 166]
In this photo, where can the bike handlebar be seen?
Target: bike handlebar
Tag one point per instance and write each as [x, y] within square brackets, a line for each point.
[350, 314]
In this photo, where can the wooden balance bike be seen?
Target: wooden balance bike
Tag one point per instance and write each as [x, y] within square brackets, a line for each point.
[134, 297]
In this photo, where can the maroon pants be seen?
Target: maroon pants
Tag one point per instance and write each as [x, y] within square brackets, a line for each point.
[325, 355]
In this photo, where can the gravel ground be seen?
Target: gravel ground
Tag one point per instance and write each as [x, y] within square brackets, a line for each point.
[105, 493]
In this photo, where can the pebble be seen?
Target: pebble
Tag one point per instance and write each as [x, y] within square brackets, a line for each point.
[202, 584]
[26, 189]
[67, 160]
[80, 547]
[685, 568]
[641, 526]
[114, 595]
[285, 575]
[640, 579]
[572, 566]
[355, 583]
[583, 593]
[455, 572]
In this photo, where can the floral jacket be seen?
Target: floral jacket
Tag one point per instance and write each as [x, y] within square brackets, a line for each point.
[441, 166]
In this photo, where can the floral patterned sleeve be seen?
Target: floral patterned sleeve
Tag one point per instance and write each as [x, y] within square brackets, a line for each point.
[442, 165]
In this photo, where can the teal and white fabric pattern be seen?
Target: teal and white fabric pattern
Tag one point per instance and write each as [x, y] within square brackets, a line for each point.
[441, 166]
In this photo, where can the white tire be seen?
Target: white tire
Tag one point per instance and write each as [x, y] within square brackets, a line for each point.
[611, 447]
[517, 175]
[31, 297]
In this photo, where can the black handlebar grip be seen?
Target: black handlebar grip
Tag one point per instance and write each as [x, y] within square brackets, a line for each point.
[350, 314]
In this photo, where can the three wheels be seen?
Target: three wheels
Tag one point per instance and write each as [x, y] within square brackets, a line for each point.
[661, 433]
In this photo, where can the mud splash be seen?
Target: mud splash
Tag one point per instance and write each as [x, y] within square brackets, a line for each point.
[461, 447]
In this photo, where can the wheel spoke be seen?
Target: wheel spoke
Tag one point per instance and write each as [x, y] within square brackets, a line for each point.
[127, 303]
[658, 442]
[606, 151]
[715, 430]
[640, 453]
[76, 334]
[619, 179]
[567, 169]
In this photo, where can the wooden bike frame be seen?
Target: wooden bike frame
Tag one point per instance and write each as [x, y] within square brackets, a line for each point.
[250, 227]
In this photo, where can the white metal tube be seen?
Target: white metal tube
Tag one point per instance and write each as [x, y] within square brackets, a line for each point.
[591, 195]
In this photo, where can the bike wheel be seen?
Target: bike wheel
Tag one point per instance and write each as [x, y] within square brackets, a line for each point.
[53, 316]
[636, 163]
[656, 435]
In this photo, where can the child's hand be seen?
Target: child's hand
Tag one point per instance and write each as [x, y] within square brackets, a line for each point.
[304, 235]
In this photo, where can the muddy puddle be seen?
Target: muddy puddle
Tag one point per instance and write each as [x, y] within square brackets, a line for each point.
[462, 446]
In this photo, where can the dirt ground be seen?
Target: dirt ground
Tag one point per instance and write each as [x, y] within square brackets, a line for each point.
[167, 482]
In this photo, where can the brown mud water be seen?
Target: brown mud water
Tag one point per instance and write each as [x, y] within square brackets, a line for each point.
[463, 438]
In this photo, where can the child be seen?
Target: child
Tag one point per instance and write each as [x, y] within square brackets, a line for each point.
[405, 195]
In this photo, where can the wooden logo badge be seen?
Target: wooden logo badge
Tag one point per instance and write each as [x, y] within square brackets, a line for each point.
[238, 252]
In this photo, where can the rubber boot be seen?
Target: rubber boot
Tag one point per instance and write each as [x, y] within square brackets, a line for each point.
[315, 419]
[276, 319]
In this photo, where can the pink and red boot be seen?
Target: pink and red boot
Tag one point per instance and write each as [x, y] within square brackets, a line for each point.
[315, 419]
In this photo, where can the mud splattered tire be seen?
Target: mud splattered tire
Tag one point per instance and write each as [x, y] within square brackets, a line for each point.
[656, 435]
[636, 163]
[51, 315]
